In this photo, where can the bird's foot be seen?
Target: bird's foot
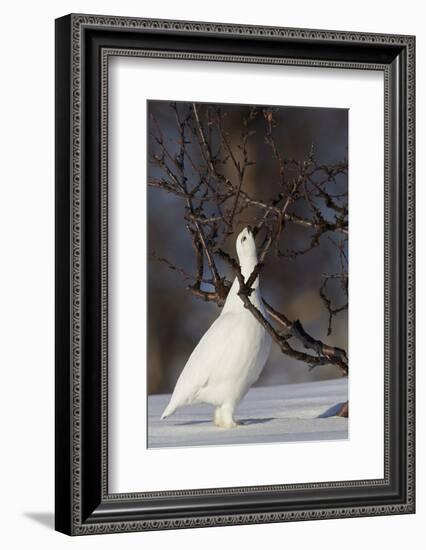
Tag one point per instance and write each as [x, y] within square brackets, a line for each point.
[223, 419]
[227, 425]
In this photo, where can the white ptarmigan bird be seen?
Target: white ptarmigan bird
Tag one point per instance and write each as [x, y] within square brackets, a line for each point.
[232, 353]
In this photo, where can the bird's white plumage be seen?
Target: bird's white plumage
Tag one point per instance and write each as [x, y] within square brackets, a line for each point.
[232, 353]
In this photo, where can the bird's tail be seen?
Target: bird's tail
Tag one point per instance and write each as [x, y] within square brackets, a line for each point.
[169, 410]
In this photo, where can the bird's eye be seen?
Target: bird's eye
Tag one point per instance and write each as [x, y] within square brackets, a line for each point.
[243, 239]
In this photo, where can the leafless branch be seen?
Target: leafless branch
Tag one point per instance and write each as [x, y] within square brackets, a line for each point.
[206, 167]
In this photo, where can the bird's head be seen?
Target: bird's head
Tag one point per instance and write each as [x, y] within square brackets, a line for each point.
[246, 247]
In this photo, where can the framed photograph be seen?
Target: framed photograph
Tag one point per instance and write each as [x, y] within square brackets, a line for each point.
[234, 274]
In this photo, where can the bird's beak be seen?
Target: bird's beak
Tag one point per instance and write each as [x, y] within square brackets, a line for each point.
[249, 229]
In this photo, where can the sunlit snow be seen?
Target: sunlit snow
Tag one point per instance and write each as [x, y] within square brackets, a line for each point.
[293, 412]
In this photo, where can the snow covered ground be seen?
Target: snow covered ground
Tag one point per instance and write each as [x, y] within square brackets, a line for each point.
[294, 412]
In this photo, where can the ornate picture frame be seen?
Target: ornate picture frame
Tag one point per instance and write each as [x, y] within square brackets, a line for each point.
[84, 44]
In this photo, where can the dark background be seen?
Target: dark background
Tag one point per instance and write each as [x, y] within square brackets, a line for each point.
[176, 319]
